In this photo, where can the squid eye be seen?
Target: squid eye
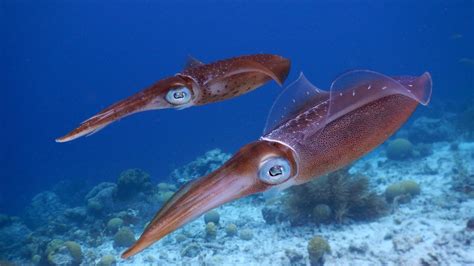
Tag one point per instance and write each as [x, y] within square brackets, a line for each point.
[274, 170]
[178, 96]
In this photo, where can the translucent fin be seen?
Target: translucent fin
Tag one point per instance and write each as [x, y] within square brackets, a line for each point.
[297, 97]
[419, 87]
[192, 62]
[356, 88]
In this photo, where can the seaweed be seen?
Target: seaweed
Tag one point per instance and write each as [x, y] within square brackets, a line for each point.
[348, 196]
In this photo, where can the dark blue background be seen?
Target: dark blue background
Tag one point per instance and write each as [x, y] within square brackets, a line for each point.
[63, 61]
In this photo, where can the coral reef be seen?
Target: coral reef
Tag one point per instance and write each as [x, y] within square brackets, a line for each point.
[75, 250]
[429, 130]
[317, 247]
[202, 165]
[462, 179]
[399, 149]
[211, 231]
[124, 237]
[59, 252]
[114, 224]
[13, 239]
[212, 217]
[465, 123]
[231, 230]
[101, 198]
[71, 192]
[344, 195]
[132, 182]
[403, 191]
[44, 207]
[107, 260]
[77, 214]
[321, 213]
[4, 220]
[95, 232]
[273, 213]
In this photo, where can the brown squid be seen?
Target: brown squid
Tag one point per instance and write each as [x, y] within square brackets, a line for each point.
[309, 133]
[197, 84]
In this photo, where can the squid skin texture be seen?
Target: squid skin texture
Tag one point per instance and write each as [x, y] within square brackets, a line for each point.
[208, 83]
[343, 139]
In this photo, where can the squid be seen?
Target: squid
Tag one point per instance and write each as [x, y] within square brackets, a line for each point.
[309, 133]
[197, 84]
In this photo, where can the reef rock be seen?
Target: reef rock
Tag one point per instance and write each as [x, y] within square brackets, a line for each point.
[68, 253]
[203, 165]
[101, 197]
[429, 130]
[13, 238]
[77, 214]
[44, 207]
[131, 182]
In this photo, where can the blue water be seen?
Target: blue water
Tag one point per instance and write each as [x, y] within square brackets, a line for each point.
[63, 61]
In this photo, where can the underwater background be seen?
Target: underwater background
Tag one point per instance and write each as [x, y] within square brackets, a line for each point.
[63, 61]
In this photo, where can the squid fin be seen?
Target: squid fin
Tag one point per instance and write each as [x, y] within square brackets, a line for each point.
[192, 62]
[295, 98]
[356, 88]
[245, 66]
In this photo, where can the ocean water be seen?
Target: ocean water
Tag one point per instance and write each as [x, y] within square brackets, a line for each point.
[64, 61]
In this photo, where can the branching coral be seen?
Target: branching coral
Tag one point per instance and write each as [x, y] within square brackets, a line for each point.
[339, 194]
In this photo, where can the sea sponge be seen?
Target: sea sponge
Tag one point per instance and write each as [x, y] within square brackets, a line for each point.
[131, 182]
[321, 213]
[405, 189]
[75, 250]
[246, 234]
[124, 237]
[114, 224]
[231, 230]
[211, 231]
[399, 149]
[107, 260]
[212, 216]
[317, 247]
